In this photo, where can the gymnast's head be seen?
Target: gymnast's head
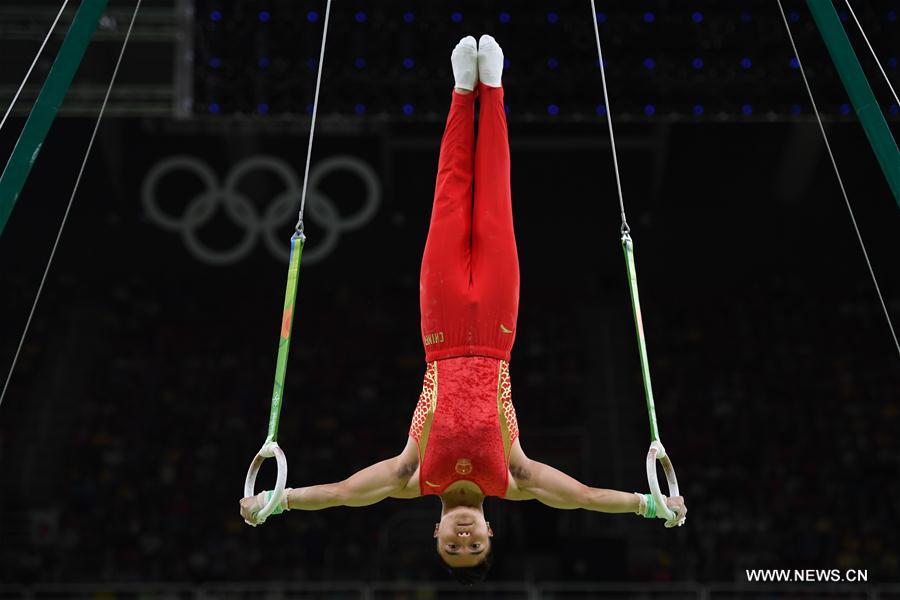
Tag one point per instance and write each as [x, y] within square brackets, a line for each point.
[463, 540]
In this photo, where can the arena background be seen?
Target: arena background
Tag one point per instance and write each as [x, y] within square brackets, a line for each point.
[143, 389]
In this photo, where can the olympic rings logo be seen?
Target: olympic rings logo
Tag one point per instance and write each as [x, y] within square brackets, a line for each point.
[269, 222]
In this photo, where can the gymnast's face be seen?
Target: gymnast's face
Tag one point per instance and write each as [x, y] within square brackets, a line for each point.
[463, 537]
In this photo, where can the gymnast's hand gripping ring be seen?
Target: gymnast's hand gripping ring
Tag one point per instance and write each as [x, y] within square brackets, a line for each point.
[657, 452]
[268, 450]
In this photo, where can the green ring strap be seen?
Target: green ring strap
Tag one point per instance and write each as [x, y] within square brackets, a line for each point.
[284, 343]
[628, 247]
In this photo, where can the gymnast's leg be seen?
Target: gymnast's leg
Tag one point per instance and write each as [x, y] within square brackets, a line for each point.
[495, 259]
[446, 263]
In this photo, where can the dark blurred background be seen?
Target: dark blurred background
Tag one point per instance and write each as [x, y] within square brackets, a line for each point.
[143, 388]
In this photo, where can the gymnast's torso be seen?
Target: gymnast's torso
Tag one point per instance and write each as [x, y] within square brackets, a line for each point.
[465, 425]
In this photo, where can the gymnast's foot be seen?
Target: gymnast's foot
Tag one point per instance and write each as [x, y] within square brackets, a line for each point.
[464, 60]
[490, 61]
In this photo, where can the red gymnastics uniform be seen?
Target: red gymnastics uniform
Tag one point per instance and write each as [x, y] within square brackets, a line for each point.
[465, 423]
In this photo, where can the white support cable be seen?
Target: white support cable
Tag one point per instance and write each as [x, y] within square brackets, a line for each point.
[312, 125]
[612, 137]
[33, 63]
[837, 173]
[62, 225]
[872, 50]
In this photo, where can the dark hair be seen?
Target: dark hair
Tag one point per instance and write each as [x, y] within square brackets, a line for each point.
[471, 575]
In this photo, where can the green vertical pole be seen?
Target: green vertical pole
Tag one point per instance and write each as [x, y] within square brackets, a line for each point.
[47, 105]
[864, 102]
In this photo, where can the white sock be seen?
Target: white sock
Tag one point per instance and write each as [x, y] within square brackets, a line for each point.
[490, 61]
[464, 60]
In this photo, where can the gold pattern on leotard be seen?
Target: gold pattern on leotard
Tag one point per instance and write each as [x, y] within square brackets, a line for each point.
[509, 426]
[424, 413]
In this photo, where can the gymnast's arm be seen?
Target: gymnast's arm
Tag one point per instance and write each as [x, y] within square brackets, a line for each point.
[389, 478]
[535, 480]
[385, 479]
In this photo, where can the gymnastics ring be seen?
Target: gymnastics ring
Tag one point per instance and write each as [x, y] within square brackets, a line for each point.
[657, 452]
[268, 450]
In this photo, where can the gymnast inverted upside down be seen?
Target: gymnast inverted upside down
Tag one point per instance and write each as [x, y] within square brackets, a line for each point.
[464, 442]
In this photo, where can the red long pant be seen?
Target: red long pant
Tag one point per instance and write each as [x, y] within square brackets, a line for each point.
[469, 283]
